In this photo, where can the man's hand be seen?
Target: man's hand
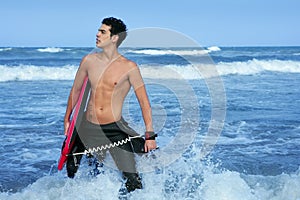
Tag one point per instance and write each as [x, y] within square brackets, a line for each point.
[66, 125]
[150, 145]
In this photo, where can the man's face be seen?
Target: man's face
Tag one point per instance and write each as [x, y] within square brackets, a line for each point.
[103, 37]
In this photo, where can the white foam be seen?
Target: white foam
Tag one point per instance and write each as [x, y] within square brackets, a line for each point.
[257, 66]
[220, 69]
[213, 48]
[193, 52]
[171, 72]
[51, 50]
[226, 185]
[6, 49]
[183, 180]
[190, 72]
[31, 72]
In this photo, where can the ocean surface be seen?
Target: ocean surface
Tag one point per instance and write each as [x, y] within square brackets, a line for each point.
[228, 120]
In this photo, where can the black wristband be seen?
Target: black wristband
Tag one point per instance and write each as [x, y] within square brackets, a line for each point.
[150, 135]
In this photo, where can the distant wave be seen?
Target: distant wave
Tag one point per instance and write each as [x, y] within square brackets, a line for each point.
[257, 66]
[6, 49]
[50, 50]
[213, 48]
[32, 72]
[223, 69]
[177, 52]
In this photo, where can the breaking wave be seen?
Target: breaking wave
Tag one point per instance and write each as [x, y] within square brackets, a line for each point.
[193, 52]
[50, 50]
[67, 72]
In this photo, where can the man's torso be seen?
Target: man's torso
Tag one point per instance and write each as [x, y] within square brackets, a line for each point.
[110, 85]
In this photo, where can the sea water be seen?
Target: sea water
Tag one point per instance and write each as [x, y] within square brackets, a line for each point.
[254, 153]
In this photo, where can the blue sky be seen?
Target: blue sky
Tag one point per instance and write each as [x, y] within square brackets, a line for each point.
[212, 22]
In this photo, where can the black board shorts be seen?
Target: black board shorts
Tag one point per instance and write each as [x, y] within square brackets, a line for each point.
[95, 136]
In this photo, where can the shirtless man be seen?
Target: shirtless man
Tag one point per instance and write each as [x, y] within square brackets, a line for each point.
[111, 76]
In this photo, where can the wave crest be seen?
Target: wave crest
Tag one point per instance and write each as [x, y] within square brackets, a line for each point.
[50, 50]
[32, 72]
[67, 72]
[193, 52]
[257, 66]
[6, 49]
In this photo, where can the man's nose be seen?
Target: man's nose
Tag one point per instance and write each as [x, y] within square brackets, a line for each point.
[98, 34]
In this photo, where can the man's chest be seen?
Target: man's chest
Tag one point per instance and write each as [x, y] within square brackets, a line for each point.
[111, 77]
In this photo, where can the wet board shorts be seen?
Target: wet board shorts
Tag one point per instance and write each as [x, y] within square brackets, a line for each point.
[96, 136]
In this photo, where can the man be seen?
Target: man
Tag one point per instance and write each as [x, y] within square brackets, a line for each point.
[111, 76]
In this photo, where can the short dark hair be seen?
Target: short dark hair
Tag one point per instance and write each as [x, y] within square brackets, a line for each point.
[117, 27]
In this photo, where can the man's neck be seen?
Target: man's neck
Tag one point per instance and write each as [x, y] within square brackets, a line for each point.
[110, 53]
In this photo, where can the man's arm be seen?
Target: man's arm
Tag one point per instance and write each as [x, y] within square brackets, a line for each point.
[75, 91]
[142, 97]
[137, 82]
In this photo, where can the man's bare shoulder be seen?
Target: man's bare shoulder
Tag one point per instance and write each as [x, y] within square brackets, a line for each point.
[129, 63]
[87, 58]
[93, 56]
[90, 59]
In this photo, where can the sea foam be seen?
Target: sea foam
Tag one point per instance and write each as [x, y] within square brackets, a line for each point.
[193, 52]
[190, 72]
[50, 50]
[257, 66]
[183, 180]
[6, 49]
[32, 73]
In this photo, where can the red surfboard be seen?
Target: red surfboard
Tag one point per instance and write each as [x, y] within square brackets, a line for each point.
[77, 115]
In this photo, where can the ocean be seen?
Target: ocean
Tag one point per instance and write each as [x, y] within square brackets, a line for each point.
[228, 120]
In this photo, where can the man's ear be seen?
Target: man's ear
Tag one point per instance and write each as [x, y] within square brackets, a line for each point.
[115, 38]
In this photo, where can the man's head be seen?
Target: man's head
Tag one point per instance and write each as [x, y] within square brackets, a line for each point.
[117, 27]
